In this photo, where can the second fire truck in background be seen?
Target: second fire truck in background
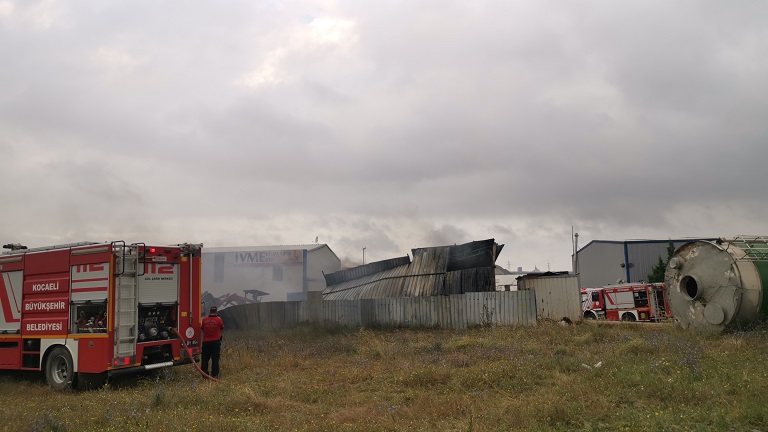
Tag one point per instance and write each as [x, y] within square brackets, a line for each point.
[625, 302]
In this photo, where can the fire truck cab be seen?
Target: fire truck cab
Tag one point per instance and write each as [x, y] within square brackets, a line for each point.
[625, 302]
[82, 312]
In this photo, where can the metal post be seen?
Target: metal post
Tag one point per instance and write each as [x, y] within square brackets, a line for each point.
[576, 253]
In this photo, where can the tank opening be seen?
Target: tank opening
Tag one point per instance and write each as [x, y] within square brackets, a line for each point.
[689, 287]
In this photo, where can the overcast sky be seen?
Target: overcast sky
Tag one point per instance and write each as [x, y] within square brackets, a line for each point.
[383, 124]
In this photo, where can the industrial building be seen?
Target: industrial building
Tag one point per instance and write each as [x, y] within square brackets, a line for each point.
[266, 273]
[441, 270]
[607, 262]
[506, 280]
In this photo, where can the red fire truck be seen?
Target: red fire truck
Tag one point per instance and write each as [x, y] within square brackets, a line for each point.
[82, 312]
[625, 302]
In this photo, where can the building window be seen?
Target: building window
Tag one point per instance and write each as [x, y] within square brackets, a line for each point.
[277, 273]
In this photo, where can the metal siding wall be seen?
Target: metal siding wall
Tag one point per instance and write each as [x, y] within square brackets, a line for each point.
[557, 297]
[646, 255]
[599, 264]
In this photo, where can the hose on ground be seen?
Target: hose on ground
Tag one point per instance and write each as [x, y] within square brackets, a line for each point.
[194, 363]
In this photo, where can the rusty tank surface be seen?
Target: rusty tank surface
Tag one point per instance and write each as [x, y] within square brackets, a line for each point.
[712, 286]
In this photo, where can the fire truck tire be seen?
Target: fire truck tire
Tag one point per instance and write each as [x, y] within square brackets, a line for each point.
[91, 381]
[628, 317]
[59, 372]
[589, 315]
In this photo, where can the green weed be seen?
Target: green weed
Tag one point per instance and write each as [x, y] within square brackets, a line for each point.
[586, 377]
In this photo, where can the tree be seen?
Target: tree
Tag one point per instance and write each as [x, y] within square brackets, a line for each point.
[657, 271]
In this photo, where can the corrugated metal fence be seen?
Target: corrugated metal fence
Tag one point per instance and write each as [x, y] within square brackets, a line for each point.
[266, 315]
[454, 311]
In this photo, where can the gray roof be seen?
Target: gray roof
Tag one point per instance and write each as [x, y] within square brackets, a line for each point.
[641, 241]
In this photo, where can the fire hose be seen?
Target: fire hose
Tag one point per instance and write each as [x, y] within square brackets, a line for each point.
[194, 363]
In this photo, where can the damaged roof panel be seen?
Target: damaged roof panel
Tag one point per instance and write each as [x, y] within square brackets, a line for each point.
[441, 270]
[388, 283]
[365, 270]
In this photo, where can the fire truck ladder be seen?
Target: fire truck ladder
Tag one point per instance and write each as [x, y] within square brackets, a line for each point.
[655, 302]
[127, 281]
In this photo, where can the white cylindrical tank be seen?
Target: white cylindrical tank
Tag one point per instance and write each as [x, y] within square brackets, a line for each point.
[714, 285]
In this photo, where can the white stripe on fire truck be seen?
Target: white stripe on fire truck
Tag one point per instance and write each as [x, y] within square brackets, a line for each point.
[93, 289]
[8, 300]
[86, 285]
[75, 280]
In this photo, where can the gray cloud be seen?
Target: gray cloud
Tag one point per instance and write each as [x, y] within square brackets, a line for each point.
[383, 126]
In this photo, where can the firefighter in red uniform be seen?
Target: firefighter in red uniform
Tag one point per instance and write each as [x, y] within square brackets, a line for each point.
[212, 326]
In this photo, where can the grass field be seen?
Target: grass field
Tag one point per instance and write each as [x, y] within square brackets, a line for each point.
[585, 377]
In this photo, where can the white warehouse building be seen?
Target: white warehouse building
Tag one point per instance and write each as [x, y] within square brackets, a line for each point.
[266, 273]
[608, 262]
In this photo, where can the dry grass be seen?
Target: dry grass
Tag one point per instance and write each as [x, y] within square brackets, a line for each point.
[484, 379]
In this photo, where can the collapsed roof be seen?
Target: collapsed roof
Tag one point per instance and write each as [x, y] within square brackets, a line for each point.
[440, 270]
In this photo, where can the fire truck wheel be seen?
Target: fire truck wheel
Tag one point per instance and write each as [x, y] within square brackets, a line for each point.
[59, 372]
[628, 317]
[589, 315]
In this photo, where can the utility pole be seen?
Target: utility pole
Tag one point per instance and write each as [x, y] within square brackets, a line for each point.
[363, 256]
[576, 253]
[575, 257]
